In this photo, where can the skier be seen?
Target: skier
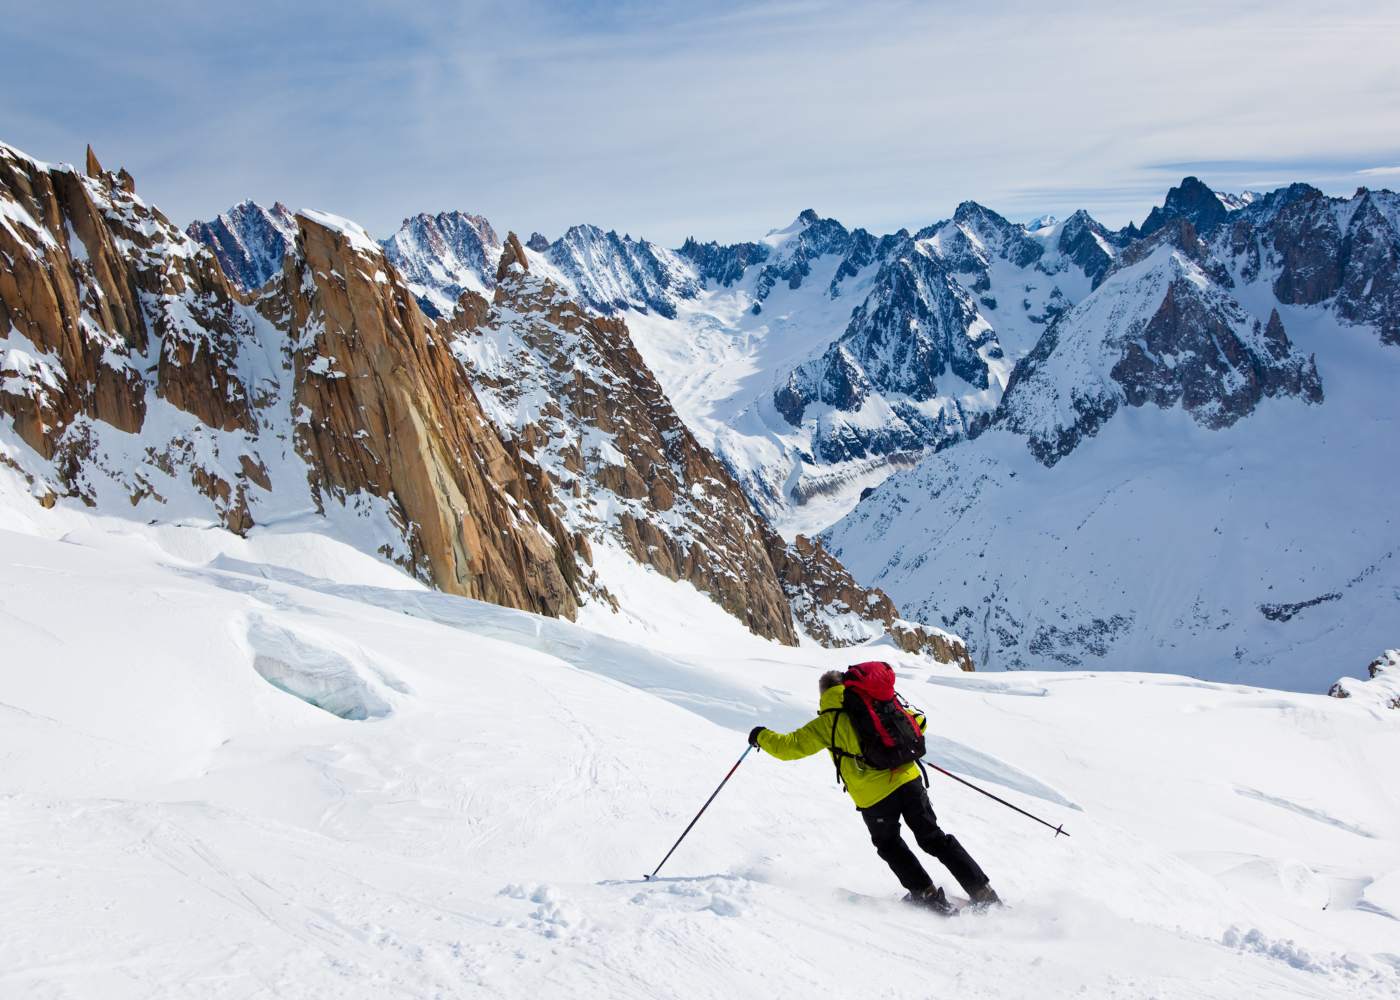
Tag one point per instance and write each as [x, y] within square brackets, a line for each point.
[882, 797]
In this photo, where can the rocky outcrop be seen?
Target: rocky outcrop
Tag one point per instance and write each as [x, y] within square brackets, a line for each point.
[1381, 689]
[1325, 248]
[68, 291]
[386, 411]
[1189, 353]
[109, 308]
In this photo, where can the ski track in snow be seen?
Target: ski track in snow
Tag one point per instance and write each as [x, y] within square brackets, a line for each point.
[179, 821]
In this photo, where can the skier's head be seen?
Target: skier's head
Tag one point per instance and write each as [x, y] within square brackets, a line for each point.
[829, 680]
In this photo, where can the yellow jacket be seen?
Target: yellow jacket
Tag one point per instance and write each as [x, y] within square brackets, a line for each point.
[866, 785]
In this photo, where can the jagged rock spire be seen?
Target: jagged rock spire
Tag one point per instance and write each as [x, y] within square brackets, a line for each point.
[512, 254]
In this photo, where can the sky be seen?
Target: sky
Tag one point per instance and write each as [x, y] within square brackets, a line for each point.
[718, 120]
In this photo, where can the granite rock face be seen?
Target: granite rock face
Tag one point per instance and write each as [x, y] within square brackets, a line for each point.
[135, 372]
[109, 311]
[386, 410]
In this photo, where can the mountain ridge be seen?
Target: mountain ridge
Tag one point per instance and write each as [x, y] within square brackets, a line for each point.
[141, 381]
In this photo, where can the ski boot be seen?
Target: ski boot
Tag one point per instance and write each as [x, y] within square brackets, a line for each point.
[933, 899]
[984, 899]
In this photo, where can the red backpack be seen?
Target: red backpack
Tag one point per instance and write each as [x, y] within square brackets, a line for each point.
[887, 731]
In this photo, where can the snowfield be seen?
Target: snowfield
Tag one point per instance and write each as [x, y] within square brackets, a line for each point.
[471, 808]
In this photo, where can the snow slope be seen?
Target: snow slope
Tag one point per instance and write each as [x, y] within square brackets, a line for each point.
[180, 820]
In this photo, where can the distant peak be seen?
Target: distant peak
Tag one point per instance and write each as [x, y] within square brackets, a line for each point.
[1192, 199]
[1042, 222]
[538, 242]
[806, 217]
[972, 212]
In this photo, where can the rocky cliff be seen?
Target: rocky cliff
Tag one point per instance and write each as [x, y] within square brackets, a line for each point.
[384, 409]
[113, 319]
[136, 377]
[483, 454]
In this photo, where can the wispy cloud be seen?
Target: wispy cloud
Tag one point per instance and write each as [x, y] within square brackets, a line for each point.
[721, 120]
[1381, 171]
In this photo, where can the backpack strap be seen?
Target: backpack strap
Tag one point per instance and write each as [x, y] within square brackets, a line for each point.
[914, 716]
[836, 752]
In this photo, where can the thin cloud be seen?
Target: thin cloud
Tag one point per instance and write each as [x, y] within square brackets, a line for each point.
[663, 120]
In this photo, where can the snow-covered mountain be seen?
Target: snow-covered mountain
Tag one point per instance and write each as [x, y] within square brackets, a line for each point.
[1233, 202]
[611, 273]
[443, 255]
[572, 389]
[1192, 471]
[818, 360]
[249, 241]
[490, 456]
[1158, 330]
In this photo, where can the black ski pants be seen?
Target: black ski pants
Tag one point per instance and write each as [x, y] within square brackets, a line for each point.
[910, 800]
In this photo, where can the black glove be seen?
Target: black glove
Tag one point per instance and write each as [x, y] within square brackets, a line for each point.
[753, 736]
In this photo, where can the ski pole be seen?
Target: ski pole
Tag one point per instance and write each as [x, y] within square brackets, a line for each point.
[1058, 829]
[701, 812]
